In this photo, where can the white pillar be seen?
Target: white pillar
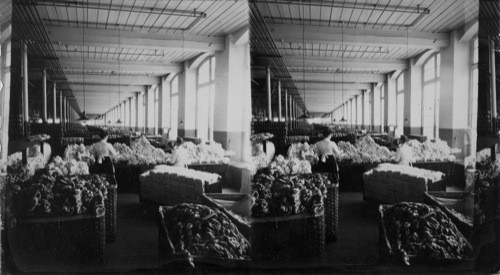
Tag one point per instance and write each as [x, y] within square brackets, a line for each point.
[233, 107]
[286, 106]
[137, 111]
[60, 107]
[146, 108]
[25, 82]
[493, 83]
[54, 103]
[44, 95]
[279, 101]
[161, 90]
[268, 85]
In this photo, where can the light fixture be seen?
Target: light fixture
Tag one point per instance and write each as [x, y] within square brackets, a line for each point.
[119, 76]
[342, 71]
[406, 120]
[305, 114]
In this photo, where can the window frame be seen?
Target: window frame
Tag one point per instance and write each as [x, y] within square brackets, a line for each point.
[211, 90]
[437, 92]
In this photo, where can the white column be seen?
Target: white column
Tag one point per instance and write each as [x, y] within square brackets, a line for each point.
[146, 108]
[60, 107]
[54, 103]
[137, 111]
[44, 95]
[161, 90]
[129, 100]
[286, 106]
[279, 101]
[268, 85]
[25, 82]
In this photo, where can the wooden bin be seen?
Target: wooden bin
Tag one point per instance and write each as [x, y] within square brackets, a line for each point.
[332, 212]
[169, 255]
[111, 207]
[387, 255]
[57, 240]
[461, 202]
[289, 238]
[111, 212]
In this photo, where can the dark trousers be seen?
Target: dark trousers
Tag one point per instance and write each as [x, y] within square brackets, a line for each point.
[329, 166]
[106, 167]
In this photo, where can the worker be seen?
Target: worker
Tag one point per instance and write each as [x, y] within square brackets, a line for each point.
[165, 136]
[404, 152]
[179, 154]
[328, 153]
[102, 152]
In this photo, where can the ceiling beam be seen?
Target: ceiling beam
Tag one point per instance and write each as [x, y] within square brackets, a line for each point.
[113, 79]
[105, 89]
[341, 77]
[332, 85]
[351, 63]
[241, 36]
[134, 39]
[467, 32]
[128, 66]
[289, 33]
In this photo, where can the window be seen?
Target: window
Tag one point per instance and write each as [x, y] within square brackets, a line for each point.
[400, 103]
[174, 107]
[430, 96]
[382, 107]
[205, 99]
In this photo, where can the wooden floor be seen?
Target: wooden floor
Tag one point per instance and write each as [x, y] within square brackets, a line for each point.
[136, 246]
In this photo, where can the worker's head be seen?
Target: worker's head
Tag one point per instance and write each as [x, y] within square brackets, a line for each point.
[403, 139]
[179, 141]
[103, 135]
[171, 144]
[327, 133]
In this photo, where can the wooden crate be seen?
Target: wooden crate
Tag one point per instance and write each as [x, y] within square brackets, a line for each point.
[462, 202]
[57, 240]
[289, 238]
[169, 255]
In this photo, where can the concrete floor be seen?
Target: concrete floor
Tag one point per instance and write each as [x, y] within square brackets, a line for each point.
[136, 246]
